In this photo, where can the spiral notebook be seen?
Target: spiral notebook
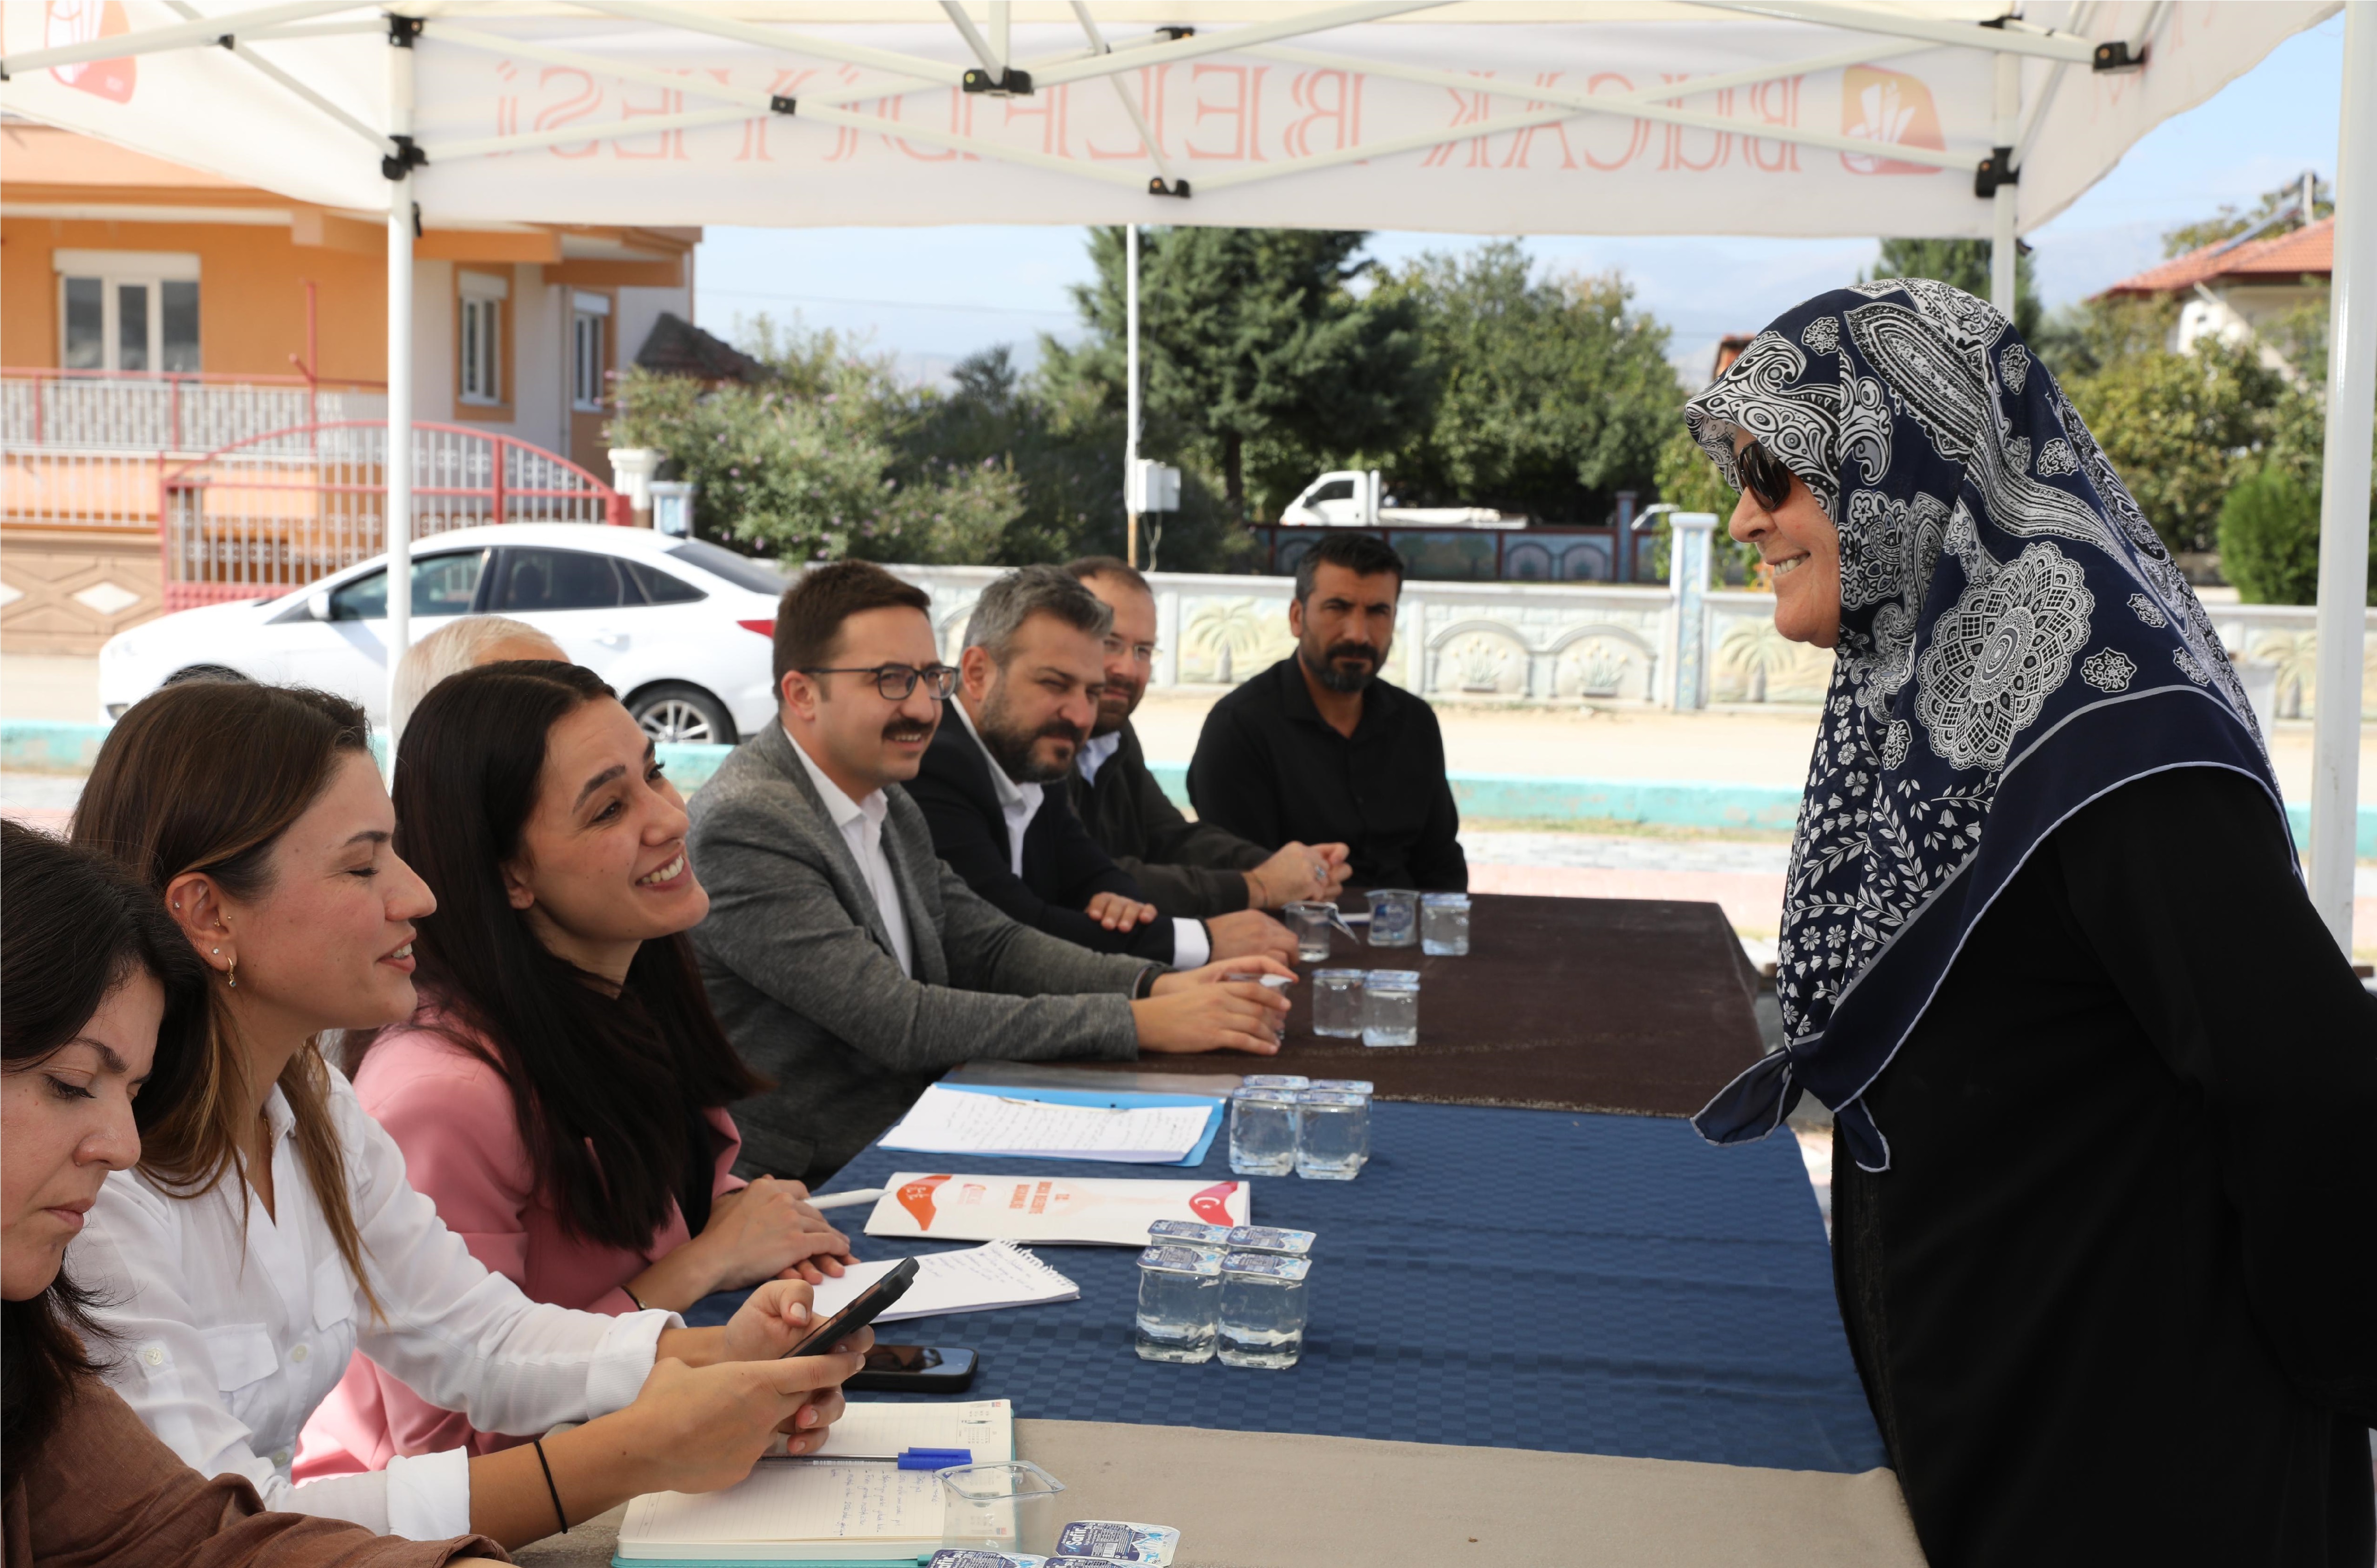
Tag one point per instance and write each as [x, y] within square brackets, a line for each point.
[979, 1280]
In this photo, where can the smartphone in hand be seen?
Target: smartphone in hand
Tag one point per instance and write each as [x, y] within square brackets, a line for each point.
[874, 1299]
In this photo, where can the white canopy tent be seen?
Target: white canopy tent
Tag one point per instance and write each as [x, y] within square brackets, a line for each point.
[1956, 118]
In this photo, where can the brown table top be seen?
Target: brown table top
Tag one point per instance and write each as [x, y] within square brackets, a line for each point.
[1600, 1004]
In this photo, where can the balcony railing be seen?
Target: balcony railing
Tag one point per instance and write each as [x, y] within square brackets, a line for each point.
[97, 410]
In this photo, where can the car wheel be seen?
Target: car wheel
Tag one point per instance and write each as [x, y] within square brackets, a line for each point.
[675, 713]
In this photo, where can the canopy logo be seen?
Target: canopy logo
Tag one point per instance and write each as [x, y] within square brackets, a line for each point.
[82, 21]
[1890, 107]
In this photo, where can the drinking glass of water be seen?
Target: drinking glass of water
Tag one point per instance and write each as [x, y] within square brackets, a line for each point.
[1394, 916]
[1262, 1131]
[1391, 1007]
[1332, 1142]
[1444, 925]
[1337, 1003]
[1311, 922]
[1263, 1308]
[1179, 1302]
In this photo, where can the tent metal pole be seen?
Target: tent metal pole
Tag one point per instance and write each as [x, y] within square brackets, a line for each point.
[396, 470]
[2048, 45]
[1130, 392]
[2003, 241]
[2344, 491]
[200, 34]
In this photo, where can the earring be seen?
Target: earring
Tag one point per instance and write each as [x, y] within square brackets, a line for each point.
[231, 974]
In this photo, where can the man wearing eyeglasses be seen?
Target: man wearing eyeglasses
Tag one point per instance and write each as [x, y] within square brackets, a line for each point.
[846, 961]
[993, 783]
[1184, 867]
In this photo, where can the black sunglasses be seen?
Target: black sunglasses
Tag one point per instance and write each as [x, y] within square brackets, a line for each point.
[1763, 476]
[896, 681]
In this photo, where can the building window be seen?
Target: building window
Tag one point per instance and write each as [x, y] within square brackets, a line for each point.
[127, 310]
[589, 359]
[482, 351]
[482, 359]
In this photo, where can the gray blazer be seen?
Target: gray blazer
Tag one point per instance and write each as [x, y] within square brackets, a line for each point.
[800, 969]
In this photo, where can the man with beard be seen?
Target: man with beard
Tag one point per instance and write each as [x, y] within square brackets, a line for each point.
[1027, 694]
[1184, 867]
[847, 963]
[1317, 748]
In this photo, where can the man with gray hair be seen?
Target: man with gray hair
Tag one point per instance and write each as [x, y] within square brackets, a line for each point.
[1027, 695]
[460, 645]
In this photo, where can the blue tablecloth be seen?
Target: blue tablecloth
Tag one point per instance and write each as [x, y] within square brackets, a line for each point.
[1510, 1278]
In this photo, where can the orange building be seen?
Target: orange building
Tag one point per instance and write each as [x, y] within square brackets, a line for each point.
[150, 310]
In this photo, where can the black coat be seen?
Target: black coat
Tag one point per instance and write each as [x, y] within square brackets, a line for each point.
[1063, 867]
[1193, 868]
[2115, 1299]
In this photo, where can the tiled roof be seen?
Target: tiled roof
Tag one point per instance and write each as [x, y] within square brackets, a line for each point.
[2282, 257]
[677, 347]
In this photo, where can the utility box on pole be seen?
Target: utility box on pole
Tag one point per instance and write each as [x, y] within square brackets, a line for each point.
[1151, 486]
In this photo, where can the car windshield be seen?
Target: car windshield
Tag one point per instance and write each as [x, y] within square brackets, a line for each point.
[740, 571]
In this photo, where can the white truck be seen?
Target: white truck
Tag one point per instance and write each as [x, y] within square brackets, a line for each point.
[1348, 498]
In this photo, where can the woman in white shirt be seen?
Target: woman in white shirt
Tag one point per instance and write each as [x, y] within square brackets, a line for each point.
[270, 1228]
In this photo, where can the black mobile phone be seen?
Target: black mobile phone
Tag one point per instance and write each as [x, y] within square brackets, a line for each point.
[875, 1298]
[916, 1369]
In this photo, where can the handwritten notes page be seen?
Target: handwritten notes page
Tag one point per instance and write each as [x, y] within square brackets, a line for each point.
[829, 1508]
[950, 1121]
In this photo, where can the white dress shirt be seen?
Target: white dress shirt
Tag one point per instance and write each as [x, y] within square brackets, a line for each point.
[1095, 752]
[1019, 803]
[861, 822]
[232, 1324]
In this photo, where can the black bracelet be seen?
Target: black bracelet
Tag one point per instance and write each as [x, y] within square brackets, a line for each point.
[1144, 987]
[552, 1490]
[635, 1299]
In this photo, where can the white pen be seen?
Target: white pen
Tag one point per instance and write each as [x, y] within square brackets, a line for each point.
[847, 1200]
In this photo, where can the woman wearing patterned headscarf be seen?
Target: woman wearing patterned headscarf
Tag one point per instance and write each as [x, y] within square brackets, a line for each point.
[2105, 1238]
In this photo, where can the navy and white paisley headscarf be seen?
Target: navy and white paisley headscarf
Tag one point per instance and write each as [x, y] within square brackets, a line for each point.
[2015, 642]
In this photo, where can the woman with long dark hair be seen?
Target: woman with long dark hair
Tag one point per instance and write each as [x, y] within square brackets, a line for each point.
[102, 1020]
[2105, 1090]
[561, 1093]
[270, 1228]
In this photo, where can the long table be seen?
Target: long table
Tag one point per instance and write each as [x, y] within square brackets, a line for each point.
[1562, 1003]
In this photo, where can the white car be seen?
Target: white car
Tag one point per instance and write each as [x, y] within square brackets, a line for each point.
[682, 628]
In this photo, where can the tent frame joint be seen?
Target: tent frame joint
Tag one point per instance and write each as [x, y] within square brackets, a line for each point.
[1011, 81]
[408, 156]
[1157, 186]
[1995, 170]
[780, 104]
[2116, 55]
[1177, 33]
[402, 31]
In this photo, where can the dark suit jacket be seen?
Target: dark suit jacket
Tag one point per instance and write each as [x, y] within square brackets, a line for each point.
[1187, 868]
[799, 966]
[1063, 867]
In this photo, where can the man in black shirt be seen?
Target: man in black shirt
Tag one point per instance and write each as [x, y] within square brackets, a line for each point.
[1317, 748]
[1184, 868]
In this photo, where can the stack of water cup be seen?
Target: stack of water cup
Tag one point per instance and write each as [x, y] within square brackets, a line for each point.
[1284, 1124]
[1238, 1293]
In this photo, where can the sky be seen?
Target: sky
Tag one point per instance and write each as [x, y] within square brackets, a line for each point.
[932, 295]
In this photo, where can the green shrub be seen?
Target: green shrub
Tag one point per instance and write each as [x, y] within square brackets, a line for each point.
[2269, 538]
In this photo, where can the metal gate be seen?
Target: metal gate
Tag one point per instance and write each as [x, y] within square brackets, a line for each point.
[285, 508]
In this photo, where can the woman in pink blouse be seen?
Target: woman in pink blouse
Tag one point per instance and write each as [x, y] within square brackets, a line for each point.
[560, 1095]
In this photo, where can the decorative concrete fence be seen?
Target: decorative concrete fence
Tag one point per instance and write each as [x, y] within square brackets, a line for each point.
[1684, 645]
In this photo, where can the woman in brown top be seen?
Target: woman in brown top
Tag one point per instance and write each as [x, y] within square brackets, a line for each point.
[98, 996]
